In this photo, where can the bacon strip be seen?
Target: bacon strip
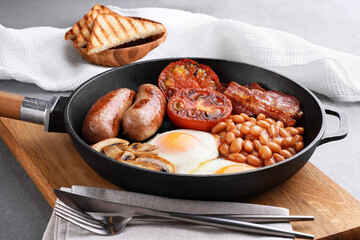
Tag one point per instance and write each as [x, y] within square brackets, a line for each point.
[254, 100]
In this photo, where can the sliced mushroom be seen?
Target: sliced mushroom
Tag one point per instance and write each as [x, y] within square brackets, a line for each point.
[142, 165]
[161, 163]
[126, 156]
[143, 148]
[113, 151]
[119, 143]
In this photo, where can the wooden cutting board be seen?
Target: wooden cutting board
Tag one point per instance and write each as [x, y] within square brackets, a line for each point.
[51, 161]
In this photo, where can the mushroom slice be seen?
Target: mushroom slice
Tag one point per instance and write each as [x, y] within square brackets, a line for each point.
[126, 156]
[143, 148]
[112, 151]
[142, 165]
[119, 143]
[161, 163]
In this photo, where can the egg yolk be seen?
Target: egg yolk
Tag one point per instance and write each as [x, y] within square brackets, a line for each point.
[176, 142]
[234, 169]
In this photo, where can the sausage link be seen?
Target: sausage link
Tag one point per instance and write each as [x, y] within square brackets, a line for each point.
[104, 116]
[146, 115]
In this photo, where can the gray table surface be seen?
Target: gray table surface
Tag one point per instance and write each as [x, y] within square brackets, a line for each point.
[332, 23]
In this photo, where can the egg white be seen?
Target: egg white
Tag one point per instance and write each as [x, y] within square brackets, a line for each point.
[187, 160]
[211, 166]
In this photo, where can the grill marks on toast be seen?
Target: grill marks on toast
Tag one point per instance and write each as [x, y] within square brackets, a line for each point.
[98, 36]
[101, 29]
[119, 30]
[123, 28]
[144, 25]
[84, 35]
[132, 26]
[75, 30]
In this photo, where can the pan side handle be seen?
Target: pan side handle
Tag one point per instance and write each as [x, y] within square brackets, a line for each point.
[343, 129]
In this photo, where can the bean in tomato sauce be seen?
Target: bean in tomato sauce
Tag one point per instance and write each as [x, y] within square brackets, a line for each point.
[258, 141]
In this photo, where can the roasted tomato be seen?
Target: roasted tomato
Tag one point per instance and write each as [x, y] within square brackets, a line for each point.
[187, 74]
[198, 108]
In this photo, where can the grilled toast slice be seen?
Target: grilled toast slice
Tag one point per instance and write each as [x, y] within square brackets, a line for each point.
[84, 35]
[112, 30]
[75, 30]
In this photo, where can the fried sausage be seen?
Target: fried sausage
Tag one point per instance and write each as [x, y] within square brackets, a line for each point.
[146, 115]
[104, 117]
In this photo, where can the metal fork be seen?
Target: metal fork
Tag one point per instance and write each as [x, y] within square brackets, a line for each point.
[111, 225]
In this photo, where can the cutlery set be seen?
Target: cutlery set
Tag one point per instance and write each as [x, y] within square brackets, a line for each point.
[110, 218]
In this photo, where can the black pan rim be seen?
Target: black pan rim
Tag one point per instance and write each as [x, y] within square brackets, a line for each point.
[73, 133]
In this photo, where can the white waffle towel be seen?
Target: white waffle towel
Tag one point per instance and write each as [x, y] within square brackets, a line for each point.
[40, 55]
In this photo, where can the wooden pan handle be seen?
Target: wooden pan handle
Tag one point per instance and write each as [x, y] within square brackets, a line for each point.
[10, 105]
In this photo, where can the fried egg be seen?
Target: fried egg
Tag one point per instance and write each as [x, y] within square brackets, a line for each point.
[221, 166]
[186, 149]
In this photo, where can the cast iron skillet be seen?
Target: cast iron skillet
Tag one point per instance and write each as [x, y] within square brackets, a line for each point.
[206, 187]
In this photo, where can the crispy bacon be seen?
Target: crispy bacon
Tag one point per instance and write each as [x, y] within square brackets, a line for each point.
[254, 100]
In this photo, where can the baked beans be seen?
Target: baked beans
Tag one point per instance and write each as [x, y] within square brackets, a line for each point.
[270, 120]
[263, 124]
[285, 153]
[245, 130]
[236, 145]
[236, 132]
[230, 137]
[224, 149]
[257, 141]
[248, 145]
[264, 139]
[274, 147]
[245, 116]
[218, 127]
[222, 134]
[301, 130]
[230, 125]
[257, 145]
[273, 131]
[237, 157]
[237, 119]
[252, 160]
[261, 116]
[256, 130]
[269, 161]
[265, 152]
[299, 146]
[284, 133]
[278, 157]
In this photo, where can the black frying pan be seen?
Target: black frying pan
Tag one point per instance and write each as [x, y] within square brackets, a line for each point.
[67, 114]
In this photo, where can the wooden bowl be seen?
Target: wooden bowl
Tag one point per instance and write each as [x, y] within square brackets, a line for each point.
[126, 53]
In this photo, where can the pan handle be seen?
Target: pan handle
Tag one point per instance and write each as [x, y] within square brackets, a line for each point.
[10, 105]
[342, 131]
[27, 109]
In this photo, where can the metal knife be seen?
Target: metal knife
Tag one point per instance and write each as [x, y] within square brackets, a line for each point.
[88, 204]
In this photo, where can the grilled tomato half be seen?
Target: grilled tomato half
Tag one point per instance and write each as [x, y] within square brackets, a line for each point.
[187, 73]
[198, 108]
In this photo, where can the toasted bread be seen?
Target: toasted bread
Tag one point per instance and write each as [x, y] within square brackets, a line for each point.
[83, 37]
[75, 30]
[112, 30]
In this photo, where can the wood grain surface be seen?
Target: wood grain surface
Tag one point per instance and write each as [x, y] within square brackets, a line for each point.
[10, 105]
[51, 161]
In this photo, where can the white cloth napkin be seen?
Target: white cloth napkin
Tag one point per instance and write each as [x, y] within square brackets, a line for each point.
[59, 229]
[41, 56]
